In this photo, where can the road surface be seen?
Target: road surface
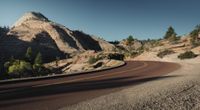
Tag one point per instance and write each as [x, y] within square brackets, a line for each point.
[54, 93]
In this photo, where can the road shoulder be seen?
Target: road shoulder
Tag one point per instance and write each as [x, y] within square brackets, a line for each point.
[177, 90]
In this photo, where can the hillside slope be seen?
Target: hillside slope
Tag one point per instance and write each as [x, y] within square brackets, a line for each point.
[51, 39]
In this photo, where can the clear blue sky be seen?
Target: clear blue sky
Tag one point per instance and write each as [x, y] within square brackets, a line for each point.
[111, 19]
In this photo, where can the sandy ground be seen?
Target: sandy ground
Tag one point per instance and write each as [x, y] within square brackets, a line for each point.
[179, 90]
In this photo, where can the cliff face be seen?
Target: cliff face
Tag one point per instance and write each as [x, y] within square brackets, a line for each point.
[51, 39]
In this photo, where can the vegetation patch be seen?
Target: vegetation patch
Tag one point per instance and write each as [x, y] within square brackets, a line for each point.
[130, 40]
[194, 35]
[116, 56]
[3, 31]
[27, 67]
[165, 52]
[93, 59]
[18, 68]
[187, 55]
[131, 54]
[171, 35]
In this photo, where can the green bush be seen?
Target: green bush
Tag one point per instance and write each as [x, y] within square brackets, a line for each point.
[116, 56]
[18, 68]
[161, 54]
[25, 66]
[15, 68]
[93, 59]
[187, 55]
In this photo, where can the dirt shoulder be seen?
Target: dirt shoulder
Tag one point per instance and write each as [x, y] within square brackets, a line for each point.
[177, 90]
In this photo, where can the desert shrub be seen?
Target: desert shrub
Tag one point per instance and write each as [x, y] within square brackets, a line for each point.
[134, 54]
[131, 54]
[29, 66]
[93, 59]
[161, 54]
[174, 39]
[18, 68]
[194, 36]
[116, 56]
[150, 43]
[187, 55]
[141, 49]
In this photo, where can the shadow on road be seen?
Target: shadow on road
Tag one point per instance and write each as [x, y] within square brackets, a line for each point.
[75, 87]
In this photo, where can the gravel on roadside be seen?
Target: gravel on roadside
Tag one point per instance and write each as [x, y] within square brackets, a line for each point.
[179, 90]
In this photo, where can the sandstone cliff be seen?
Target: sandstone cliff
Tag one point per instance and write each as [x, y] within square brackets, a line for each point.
[51, 39]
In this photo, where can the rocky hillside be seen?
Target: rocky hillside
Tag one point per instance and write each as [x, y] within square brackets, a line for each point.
[51, 39]
[169, 51]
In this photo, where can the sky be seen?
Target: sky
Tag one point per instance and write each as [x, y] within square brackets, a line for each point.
[110, 19]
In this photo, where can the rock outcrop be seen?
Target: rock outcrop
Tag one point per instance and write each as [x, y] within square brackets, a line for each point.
[51, 39]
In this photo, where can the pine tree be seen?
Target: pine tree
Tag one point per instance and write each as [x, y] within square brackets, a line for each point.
[170, 33]
[28, 55]
[194, 36]
[195, 32]
[3, 31]
[38, 59]
[130, 39]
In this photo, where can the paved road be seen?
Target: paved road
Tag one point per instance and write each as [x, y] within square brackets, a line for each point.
[51, 94]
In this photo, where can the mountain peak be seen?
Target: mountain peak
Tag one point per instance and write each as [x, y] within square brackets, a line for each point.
[31, 16]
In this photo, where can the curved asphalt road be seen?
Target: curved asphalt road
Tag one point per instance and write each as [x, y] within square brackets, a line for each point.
[51, 94]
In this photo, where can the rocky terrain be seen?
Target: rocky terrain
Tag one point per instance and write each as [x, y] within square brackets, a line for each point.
[86, 61]
[178, 90]
[61, 50]
[180, 47]
[74, 51]
[51, 39]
